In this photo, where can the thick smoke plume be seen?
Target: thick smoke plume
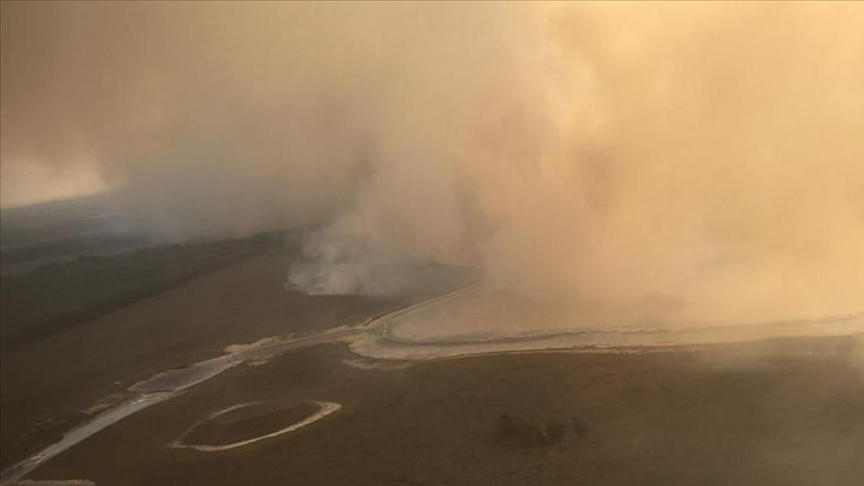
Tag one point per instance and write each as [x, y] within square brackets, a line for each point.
[668, 161]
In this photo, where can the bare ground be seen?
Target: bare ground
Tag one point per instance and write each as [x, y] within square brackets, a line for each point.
[780, 413]
[783, 412]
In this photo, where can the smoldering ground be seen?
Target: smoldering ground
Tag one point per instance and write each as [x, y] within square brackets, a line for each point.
[625, 161]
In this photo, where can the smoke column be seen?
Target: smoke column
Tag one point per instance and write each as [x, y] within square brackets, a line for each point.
[669, 161]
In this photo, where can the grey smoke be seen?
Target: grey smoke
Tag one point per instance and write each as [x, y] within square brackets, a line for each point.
[707, 157]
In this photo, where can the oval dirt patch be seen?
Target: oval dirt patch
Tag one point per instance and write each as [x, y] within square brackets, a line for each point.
[247, 423]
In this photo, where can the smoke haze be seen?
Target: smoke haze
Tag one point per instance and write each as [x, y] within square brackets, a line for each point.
[627, 161]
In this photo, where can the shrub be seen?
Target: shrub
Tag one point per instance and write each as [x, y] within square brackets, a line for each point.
[536, 433]
[554, 431]
[579, 428]
[507, 426]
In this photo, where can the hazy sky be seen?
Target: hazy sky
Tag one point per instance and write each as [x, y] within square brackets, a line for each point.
[702, 153]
